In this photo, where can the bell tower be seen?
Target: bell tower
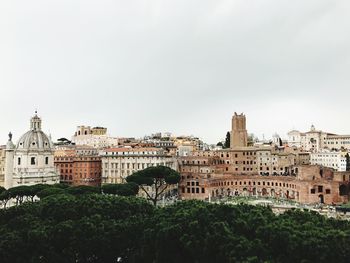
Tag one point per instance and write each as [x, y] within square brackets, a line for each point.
[239, 135]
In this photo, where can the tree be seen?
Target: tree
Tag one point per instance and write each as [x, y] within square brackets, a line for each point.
[61, 185]
[220, 144]
[99, 228]
[157, 177]
[227, 140]
[5, 197]
[82, 189]
[33, 190]
[251, 139]
[128, 189]
[19, 192]
[49, 191]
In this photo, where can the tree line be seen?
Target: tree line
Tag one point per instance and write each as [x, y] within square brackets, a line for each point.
[91, 227]
[153, 181]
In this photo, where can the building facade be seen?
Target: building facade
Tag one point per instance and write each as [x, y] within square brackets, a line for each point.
[335, 160]
[78, 165]
[316, 140]
[271, 171]
[118, 163]
[95, 137]
[31, 160]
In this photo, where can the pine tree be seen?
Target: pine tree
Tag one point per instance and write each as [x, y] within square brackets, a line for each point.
[227, 140]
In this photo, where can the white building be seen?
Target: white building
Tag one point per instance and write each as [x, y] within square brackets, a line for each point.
[335, 160]
[96, 137]
[315, 140]
[31, 161]
[118, 163]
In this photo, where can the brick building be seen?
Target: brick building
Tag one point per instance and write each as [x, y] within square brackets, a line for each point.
[260, 171]
[78, 165]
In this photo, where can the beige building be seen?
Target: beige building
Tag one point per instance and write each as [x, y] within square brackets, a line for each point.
[118, 163]
[316, 140]
[95, 137]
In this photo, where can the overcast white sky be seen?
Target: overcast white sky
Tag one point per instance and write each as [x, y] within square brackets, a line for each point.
[184, 66]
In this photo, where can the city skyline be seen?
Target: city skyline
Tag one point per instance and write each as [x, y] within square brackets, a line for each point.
[185, 67]
[69, 137]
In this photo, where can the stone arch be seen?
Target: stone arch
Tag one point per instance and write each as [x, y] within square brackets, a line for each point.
[321, 199]
[245, 191]
[254, 191]
[264, 192]
[217, 192]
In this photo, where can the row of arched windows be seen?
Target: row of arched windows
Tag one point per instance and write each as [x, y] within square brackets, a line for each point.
[263, 183]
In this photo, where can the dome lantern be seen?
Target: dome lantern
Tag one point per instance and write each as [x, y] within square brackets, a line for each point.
[35, 123]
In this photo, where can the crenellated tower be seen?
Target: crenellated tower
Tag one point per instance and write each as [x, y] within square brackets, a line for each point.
[239, 135]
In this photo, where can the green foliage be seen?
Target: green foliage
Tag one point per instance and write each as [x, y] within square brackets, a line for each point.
[220, 144]
[128, 189]
[159, 177]
[49, 191]
[61, 185]
[83, 189]
[105, 228]
[251, 139]
[19, 193]
[5, 197]
[227, 140]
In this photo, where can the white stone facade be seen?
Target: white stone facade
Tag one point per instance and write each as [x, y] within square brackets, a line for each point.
[31, 161]
[335, 160]
[95, 137]
[118, 163]
[315, 141]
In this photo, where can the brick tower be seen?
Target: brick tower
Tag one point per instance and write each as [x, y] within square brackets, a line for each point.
[239, 135]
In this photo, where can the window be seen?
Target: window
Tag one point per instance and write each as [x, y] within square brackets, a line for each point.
[320, 188]
[32, 160]
[19, 161]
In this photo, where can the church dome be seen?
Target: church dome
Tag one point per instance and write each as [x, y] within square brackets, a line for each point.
[35, 139]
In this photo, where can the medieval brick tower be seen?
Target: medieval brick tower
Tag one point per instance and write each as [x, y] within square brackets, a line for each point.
[239, 135]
